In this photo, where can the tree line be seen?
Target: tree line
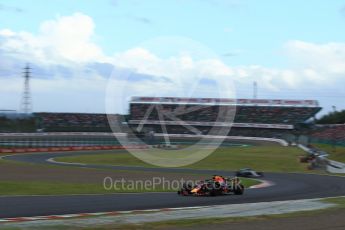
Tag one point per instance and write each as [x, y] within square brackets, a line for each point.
[336, 117]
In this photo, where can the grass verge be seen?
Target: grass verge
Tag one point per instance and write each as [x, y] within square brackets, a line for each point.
[58, 188]
[336, 153]
[221, 222]
[262, 158]
[44, 187]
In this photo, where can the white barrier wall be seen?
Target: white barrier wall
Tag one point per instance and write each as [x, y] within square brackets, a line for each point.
[335, 167]
[54, 134]
[279, 141]
[331, 166]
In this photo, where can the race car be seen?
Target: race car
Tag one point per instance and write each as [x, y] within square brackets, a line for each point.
[216, 186]
[247, 172]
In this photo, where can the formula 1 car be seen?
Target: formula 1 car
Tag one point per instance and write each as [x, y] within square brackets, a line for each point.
[247, 172]
[218, 185]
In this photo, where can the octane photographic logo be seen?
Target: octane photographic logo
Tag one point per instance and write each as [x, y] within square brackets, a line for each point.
[163, 68]
[154, 184]
[162, 184]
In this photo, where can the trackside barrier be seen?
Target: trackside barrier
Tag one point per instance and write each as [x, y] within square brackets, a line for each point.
[279, 141]
[57, 134]
[322, 160]
[321, 154]
[335, 167]
[305, 149]
[75, 148]
[59, 149]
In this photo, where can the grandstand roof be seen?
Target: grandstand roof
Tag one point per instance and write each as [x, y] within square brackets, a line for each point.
[225, 101]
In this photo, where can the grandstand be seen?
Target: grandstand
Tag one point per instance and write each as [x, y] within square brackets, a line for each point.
[254, 117]
[330, 134]
[247, 117]
[54, 122]
[72, 122]
[11, 121]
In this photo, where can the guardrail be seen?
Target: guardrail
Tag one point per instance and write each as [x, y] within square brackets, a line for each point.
[71, 146]
[335, 167]
[74, 148]
[279, 141]
[322, 161]
[56, 134]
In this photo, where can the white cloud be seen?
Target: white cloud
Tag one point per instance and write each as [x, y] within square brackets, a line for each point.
[314, 66]
[68, 42]
[6, 33]
[328, 58]
[62, 40]
[183, 65]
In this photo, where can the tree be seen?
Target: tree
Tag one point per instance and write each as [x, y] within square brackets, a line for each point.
[333, 118]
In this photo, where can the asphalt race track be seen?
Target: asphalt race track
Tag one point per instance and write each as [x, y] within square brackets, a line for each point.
[288, 186]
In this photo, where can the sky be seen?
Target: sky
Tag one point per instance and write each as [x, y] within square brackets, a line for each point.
[92, 56]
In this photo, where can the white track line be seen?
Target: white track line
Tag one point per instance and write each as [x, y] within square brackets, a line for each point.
[51, 160]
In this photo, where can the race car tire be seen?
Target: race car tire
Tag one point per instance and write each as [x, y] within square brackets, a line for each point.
[239, 190]
[213, 192]
[187, 186]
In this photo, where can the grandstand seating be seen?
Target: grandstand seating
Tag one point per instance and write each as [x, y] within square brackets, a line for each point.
[330, 133]
[76, 122]
[261, 118]
[234, 131]
[244, 114]
[274, 115]
[258, 118]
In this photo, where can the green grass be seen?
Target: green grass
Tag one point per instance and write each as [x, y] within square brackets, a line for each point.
[58, 188]
[339, 201]
[18, 187]
[45, 188]
[115, 158]
[337, 153]
[262, 158]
